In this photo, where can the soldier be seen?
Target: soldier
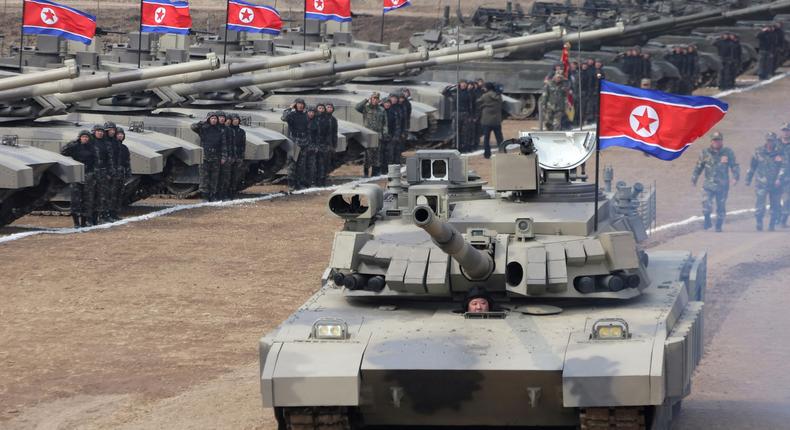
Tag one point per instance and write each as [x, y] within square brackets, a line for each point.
[296, 118]
[780, 50]
[123, 173]
[321, 147]
[784, 144]
[114, 174]
[462, 97]
[82, 194]
[490, 117]
[222, 118]
[404, 99]
[768, 169]
[102, 173]
[693, 67]
[767, 44]
[213, 140]
[389, 150]
[237, 147]
[716, 162]
[598, 74]
[314, 134]
[725, 47]
[553, 103]
[396, 136]
[328, 154]
[375, 119]
[646, 84]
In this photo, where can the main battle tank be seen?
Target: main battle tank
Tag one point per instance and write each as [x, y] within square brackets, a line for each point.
[584, 326]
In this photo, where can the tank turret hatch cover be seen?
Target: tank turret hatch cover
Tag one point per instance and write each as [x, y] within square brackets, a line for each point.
[562, 150]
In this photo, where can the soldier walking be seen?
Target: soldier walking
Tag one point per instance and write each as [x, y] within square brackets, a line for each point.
[122, 174]
[237, 148]
[490, 117]
[212, 140]
[296, 118]
[374, 118]
[784, 144]
[82, 194]
[716, 162]
[553, 102]
[767, 168]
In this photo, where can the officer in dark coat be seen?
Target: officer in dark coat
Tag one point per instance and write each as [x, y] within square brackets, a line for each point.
[82, 194]
[123, 173]
[212, 140]
[102, 173]
[296, 118]
[237, 146]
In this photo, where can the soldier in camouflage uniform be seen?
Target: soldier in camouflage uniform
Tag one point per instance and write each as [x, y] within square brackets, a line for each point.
[716, 162]
[238, 146]
[328, 156]
[311, 152]
[115, 173]
[296, 118]
[103, 174]
[212, 140]
[553, 102]
[122, 174]
[82, 194]
[375, 119]
[767, 168]
[784, 144]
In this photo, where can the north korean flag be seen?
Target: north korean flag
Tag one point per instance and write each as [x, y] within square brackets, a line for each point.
[166, 16]
[46, 17]
[390, 5]
[243, 16]
[328, 10]
[660, 124]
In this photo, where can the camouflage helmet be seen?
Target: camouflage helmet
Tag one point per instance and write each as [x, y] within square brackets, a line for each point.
[119, 130]
[786, 126]
[375, 95]
[299, 100]
[771, 136]
[221, 113]
[210, 114]
[97, 127]
[717, 136]
[233, 116]
[84, 133]
[109, 124]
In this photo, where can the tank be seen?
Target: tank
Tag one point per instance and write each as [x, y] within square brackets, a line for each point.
[583, 326]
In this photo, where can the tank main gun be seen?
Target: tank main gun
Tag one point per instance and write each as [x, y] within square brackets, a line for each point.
[476, 264]
[69, 70]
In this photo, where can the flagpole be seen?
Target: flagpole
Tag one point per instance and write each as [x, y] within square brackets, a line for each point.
[381, 38]
[140, 38]
[597, 152]
[304, 27]
[22, 36]
[227, 18]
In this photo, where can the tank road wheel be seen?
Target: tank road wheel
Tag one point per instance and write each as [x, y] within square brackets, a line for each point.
[61, 206]
[320, 418]
[621, 418]
[529, 108]
[181, 191]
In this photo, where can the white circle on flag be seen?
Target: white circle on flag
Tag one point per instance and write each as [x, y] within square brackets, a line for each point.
[48, 16]
[319, 4]
[246, 15]
[395, 2]
[159, 14]
[644, 121]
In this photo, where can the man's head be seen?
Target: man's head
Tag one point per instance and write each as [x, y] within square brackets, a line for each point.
[489, 86]
[212, 118]
[235, 120]
[311, 112]
[85, 136]
[646, 84]
[478, 300]
[406, 92]
[299, 104]
[598, 64]
[558, 77]
[374, 99]
[98, 131]
[393, 99]
[462, 84]
[717, 140]
[320, 108]
[480, 82]
[786, 131]
[110, 128]
[330, 108]
[770, 139]
[221, 117]
[120, 134]
[387, 104]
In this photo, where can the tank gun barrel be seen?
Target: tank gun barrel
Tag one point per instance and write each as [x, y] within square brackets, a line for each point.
[538, 38]
[68, 71]
[104, 80]
[224, 71]
[478, 265]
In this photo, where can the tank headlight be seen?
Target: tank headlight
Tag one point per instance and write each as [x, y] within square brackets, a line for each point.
[610, 328]
[330, 328]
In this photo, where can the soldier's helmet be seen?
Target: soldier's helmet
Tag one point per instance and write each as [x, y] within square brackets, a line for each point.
[109, 124]
[233, 116]
[786, 126]
[84, 133]
[478, 293]
[119, 130]
[210, 114]
[299, 100]
[375, 95]
[717, 136]
[97, 127]
[771, 136]
[221, 113]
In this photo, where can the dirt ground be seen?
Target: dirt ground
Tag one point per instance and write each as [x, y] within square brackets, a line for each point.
[155, 324]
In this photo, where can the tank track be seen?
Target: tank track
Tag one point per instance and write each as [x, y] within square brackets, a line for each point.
[621, 418]
[323, 418]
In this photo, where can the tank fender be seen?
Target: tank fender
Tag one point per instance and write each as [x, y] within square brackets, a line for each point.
[311, 373]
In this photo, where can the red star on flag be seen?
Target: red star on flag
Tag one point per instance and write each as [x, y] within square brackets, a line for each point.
[246, 15]
[644, 121]
[160, 14]
[50, 16]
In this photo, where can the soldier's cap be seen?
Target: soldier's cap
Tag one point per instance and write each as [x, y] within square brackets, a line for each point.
[559, 75]
[375, 95]
[84, 133]
[320, 104]
[771, 136]
[109, 124]
[222, 113]
[97, 127]
[300, 100]
[119, 130]
[330, 104]
[396, 95]
[786, 126]
[311, 108]
[210, 114]
[387, 101]
[717, 136]
[478, 293]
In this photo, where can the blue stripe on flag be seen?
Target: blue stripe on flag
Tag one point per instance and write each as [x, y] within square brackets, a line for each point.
[654, 150]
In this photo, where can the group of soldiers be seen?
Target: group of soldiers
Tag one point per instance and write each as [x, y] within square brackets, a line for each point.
[559, 92]
[479, 106]
[391, 119]
[769, 170]
[636, 65]
[772, 46]
[686, 59]
[728, 46]
[224, 143]
[314, 131]
[100, 196]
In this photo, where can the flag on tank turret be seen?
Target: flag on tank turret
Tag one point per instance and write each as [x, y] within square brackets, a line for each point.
[660, 124]
[50, 18]
[166, 16]
[244, 16]
[328, 10]
[390, 5]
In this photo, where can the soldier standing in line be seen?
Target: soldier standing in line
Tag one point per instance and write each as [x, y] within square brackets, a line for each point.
[553, 103]
[114, 173]
[102, 173]
[82, 194]
[322, 146]
[693, 67]
[212, 140]
[597, 75]
[396, 136]
[781, 45]
[404, 98]
[784, 144]
[767, 168]
[716, 162]
[390, 154]
[462, 96]
[296, 118]
[124, 172]
[222, 118]
[328, 155]
[766, 44]
[725, 48]
[374, 118]
[308, 173]
[480, 87]
[238, 147]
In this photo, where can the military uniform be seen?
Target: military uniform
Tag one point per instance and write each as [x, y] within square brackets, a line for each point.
[122, 174]
[328, 150]
[83, 194]
[375, 119]
[553, 104]
[297, 132]
[784, 145]
[716, 165]
[767, 169]
[115, 173]
[237, 147]
[103, 175]
[767, 44]
[212, 140]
